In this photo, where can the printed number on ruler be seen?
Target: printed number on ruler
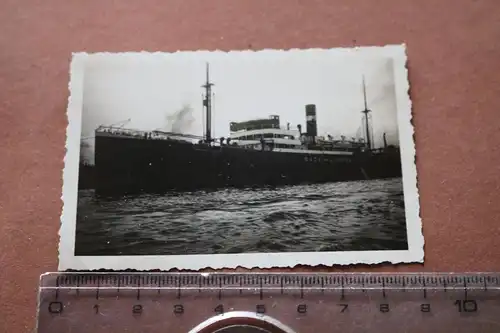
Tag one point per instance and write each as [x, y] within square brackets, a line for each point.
[297, 300]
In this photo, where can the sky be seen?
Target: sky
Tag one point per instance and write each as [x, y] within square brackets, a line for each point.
[148, 88]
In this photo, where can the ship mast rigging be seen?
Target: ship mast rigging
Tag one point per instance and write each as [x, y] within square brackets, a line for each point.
[207, 104]
[366, 111]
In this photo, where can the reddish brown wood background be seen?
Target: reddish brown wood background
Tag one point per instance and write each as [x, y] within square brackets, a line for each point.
[454, 68]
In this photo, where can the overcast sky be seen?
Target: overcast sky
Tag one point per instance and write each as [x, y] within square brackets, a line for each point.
[150, 87]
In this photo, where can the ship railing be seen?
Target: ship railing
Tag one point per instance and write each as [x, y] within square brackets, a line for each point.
[150, 135]
[120, 130]
[262, 127]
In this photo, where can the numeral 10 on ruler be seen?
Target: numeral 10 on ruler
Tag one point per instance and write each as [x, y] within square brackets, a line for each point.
[170, 302]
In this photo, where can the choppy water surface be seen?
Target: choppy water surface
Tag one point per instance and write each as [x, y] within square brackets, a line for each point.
[350, 216]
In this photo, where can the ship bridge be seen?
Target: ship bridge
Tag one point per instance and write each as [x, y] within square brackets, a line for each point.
[250, 133]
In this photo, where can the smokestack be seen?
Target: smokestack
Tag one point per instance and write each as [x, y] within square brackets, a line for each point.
[312, 127]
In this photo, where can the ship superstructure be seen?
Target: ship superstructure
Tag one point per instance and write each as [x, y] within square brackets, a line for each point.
[251, 134]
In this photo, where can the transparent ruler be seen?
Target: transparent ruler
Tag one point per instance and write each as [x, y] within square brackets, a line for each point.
[266, 302]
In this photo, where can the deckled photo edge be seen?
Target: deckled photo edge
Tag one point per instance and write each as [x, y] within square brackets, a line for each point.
[69, 195]
[414, 254]
[416, 240]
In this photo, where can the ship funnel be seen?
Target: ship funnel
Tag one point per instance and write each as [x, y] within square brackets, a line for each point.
[311, 126]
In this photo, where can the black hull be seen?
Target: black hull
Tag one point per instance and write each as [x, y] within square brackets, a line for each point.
[134, 165]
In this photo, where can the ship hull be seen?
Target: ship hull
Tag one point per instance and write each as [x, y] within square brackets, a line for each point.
[135, 165]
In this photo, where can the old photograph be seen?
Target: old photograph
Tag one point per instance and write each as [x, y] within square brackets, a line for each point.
[271, 158]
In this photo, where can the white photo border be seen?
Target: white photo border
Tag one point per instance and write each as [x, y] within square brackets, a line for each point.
[414, 254]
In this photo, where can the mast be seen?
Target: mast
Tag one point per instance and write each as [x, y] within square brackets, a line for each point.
[366, 111]
[207, 103]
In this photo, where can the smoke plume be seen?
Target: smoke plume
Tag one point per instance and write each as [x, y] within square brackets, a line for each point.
[181, 121]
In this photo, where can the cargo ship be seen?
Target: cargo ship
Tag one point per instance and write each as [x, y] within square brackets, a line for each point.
[257, 153]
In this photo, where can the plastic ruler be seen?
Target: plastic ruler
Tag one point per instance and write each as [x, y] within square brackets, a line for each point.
[268, 302]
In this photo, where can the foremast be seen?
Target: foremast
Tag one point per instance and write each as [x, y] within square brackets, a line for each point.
[207, 105]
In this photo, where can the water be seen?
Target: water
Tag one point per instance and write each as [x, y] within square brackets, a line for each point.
[350, 216]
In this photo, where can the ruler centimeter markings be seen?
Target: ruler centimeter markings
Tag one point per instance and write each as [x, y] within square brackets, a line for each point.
[288, 302]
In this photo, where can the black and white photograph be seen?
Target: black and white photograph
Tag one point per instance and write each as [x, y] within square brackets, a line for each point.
[271, 158]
